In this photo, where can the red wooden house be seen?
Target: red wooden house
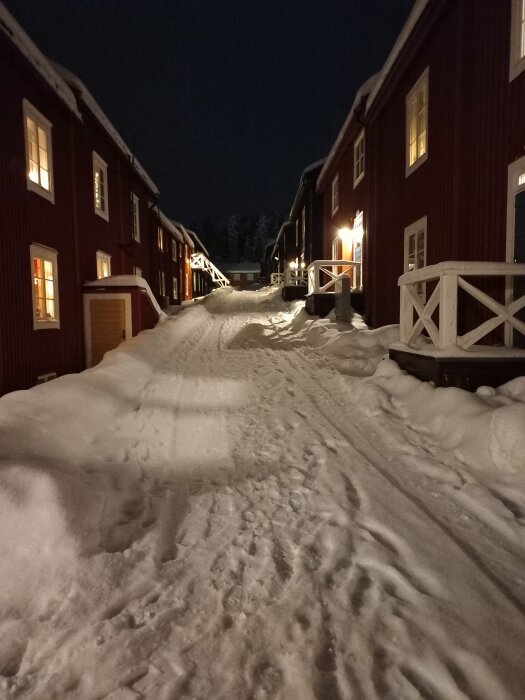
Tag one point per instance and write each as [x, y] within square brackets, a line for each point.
[444, 180]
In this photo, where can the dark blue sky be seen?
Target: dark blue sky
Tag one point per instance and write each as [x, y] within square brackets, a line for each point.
[224, 102]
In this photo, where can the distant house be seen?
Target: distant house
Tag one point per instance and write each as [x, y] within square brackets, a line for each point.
[430, 165]
[242, 274]
[307, 217]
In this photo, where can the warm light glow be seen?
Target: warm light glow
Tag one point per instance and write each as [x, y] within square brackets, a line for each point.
[521, 180]
[293, 265]
[44, 289]
[344, 232]
[302, 266]
[37, 151]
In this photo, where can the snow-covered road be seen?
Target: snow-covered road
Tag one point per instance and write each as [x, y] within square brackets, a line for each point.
[222, 511]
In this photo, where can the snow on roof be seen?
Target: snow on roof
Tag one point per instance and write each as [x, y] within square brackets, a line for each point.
[36, 58]
[373, 85]
[365, 89]
[306, 171]
[170, 226]
[187, 238]
[103, 120]
[128, 281]
[401, 40]
[198, 242]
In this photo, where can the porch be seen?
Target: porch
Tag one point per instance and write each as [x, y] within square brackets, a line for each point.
[435, 344]
[323, 277]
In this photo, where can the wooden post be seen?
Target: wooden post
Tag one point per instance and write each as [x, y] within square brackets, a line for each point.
[406, 315]
[448, 310]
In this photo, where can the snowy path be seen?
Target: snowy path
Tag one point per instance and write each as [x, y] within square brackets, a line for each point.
[271, 540]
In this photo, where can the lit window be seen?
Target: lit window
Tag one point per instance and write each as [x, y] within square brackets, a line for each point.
[236, 276]
[521, 180]
[160, 238]
[39, 158]
[100, 186]
[335, 194]
[359, 158]
[415, 249]
[137, 271]
[517, 39]
[174, 251]
[417, 124]
[175, 288]
[136, 219]
[162, 283]
[103, 265]
[45, 287]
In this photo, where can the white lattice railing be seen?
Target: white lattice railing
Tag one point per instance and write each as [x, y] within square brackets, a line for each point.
[333, 269]
[277, 278]
[200, 262]
[416, 313]
[295, 277]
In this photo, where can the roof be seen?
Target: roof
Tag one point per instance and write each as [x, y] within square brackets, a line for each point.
[365, 89]
[373, 85]
[10, 27]
[96, 110]
[198, 242]
[307, 171]
[279, 235]
[240, 267]
[169, 226]
[187, 238]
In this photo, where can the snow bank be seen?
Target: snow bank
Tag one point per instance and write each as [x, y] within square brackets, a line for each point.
[485, 430]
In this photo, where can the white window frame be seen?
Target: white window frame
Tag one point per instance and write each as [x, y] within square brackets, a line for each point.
[175, 288]
[517, 39]
[100, 165]
[136, 218]
[49, 255]
[236, 277]
[162, 283]
[335, 194]
[103, 259]
[421, 86]
[174, 250]
[359, 158]
[41, 122]
[416, 229]
[137, 271]
[160, 238]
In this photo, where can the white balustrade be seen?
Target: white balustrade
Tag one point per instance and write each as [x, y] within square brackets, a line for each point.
[416, 312]
[333, 269]
[295, 277]
[277, 278]
[200, 262]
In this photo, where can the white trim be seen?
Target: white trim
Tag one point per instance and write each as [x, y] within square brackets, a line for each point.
[421, 84]
[103, 257]
[357, 158]
[28, 110]
[335, 194]
[87, 319]
[515, 169]
[49, 255]
[412, 230]
[517, 39]
[100, 164]
[175, 288]
[136, 218]
[160, 238]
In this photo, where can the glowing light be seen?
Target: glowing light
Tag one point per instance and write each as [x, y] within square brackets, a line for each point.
[344, 232]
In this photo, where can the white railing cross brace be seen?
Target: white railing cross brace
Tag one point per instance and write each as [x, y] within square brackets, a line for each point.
[333, 269]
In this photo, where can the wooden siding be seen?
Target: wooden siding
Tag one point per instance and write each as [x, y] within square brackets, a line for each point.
[25, 218]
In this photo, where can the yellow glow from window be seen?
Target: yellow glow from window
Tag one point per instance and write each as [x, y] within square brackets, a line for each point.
[44, 294]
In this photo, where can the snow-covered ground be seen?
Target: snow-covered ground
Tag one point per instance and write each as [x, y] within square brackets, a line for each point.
[245, 503]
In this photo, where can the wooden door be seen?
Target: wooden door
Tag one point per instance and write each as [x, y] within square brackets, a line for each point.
[108, 326]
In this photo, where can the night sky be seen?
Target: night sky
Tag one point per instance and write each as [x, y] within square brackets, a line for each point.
[224, 102]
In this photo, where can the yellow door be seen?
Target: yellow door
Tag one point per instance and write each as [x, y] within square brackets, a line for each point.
[108, 326]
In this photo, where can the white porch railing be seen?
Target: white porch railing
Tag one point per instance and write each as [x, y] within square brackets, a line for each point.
[200, 262]
[277, 278]
[416, 313]
[295, 277]
[333, 269]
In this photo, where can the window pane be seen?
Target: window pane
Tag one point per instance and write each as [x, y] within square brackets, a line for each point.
[31, 129]
[50, 289]
[48, 269]
[50, 308]
[44, 178]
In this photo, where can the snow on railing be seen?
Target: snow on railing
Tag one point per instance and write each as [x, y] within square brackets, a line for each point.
[295, 277]
[333, 269]
[416, 313]
[200, 262]
[277, 278]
